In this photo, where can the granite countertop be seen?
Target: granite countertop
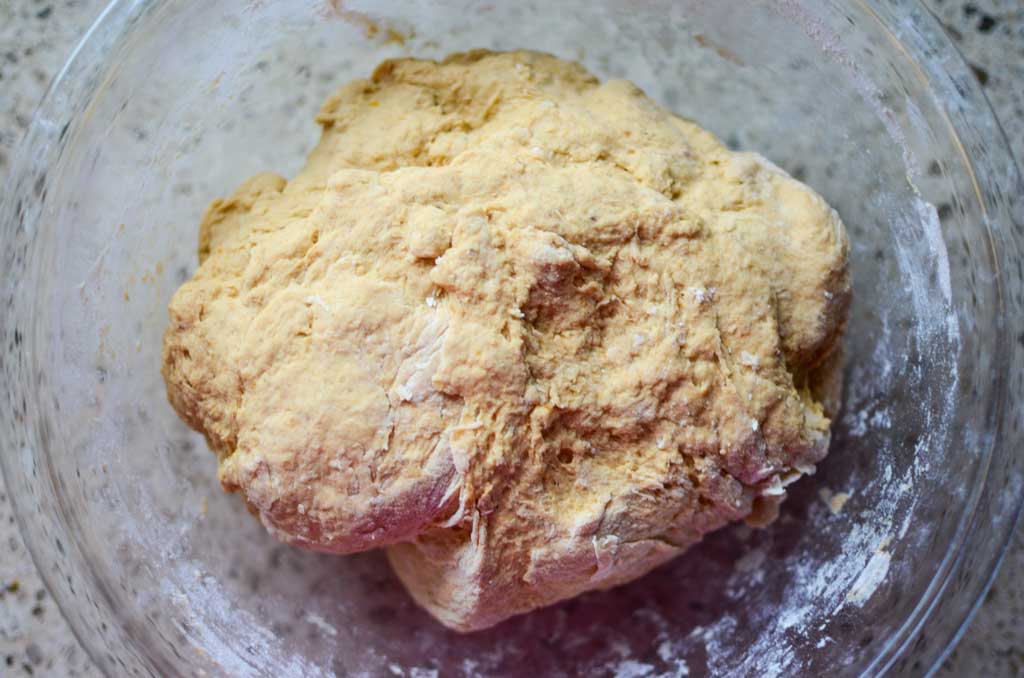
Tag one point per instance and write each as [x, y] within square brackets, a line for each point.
[36, 37]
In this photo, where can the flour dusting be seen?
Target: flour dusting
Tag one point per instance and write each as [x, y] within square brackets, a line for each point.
[870, 578]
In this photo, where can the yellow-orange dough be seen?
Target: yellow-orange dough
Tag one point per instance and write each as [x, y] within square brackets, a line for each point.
[531, 332]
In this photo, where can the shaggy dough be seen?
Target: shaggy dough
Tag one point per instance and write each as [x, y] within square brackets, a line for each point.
[531, 332]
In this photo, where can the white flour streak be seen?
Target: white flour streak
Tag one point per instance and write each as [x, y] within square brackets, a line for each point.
[871, 577]
[630, 668]
[321, 623]
[933, 233]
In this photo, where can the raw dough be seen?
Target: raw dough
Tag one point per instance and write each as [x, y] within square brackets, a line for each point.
[533, 333]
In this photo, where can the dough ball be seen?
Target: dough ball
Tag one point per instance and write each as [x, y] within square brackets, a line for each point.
[531, 332]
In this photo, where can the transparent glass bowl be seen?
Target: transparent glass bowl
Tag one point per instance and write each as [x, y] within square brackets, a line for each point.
[166, 105]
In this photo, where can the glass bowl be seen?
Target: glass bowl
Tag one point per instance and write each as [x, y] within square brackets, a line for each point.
[166, 105]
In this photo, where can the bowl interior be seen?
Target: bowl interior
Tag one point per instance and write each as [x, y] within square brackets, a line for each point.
[195, 97]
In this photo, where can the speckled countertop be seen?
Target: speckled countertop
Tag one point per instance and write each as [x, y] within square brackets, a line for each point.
[35, 38]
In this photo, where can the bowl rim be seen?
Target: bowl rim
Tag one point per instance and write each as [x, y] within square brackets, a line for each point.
[927, 30]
